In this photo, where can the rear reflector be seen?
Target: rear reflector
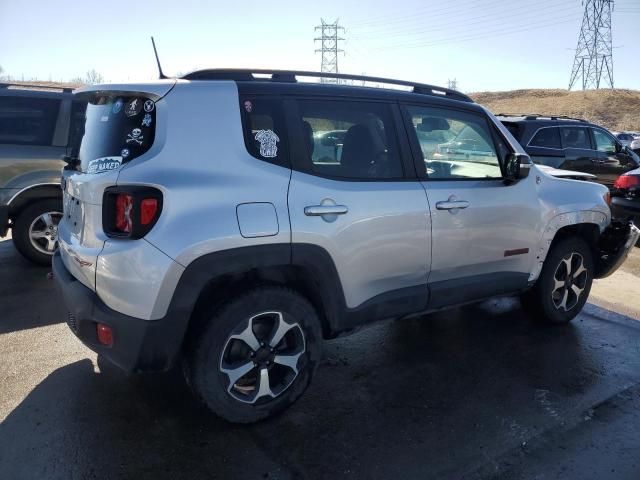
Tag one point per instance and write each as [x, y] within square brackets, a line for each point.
[105, 336]
[625, 182]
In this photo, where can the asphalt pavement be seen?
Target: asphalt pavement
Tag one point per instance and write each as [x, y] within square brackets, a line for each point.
[478, 392]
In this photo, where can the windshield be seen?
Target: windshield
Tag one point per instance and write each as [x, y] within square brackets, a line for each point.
[117, 129]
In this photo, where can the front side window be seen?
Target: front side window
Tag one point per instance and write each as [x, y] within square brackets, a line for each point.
[117, 129]
[455, 145]
[547, 138]
[575, 137]
[353, 140]
[604, 143]
[28, 120]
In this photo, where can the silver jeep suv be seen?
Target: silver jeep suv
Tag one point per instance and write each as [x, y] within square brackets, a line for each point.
[232, 221]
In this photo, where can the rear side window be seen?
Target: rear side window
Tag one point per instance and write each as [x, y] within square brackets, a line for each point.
[28, 120]
[354, 140]
[117, 129]
[547, 138]
[263, 128]
[575, 137]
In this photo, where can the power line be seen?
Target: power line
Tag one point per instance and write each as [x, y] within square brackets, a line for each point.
[594, 54]
[329, 47]
[480, 35]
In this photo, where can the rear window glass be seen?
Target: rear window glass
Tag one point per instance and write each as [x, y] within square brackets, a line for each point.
[547, 138]
[28, 120]
[117, 129]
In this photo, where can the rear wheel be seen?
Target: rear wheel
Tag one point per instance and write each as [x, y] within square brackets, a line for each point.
[564, 283]
[257, 354]
[35, 230]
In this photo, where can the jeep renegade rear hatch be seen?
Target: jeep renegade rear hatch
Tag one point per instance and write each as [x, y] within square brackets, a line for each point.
[118, 128]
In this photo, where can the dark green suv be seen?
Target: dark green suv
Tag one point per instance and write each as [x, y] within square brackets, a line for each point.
[37, 125]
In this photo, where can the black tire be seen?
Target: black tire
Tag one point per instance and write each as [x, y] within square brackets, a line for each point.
[214, 347]
[22, 225]
[544, 300]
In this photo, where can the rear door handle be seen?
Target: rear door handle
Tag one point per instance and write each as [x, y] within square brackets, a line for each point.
[452, 204]
[318, 210]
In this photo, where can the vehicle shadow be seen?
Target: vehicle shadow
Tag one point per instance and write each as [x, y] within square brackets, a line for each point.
[424, 398]
[21, 280]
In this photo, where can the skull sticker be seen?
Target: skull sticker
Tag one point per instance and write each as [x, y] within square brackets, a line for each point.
[268, 143]
[135, 136]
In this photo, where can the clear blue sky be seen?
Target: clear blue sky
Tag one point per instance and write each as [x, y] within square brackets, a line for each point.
[485, 45]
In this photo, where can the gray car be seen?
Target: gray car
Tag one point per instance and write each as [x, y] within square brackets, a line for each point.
[231, 222]
[37, 124]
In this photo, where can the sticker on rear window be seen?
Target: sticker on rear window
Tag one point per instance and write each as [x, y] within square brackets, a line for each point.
[149, 106]
[117, 106]
[104, 164]
[134, 107]
[268, 143]
[248, 106]
[135, 136]
[146, 121]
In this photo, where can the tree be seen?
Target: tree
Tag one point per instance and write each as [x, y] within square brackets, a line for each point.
[92, 77]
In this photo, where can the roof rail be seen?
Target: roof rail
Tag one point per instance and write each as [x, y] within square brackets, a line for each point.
[535, 116]
[27, 86]
[290, 76]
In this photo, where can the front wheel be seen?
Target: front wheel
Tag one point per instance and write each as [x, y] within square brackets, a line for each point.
[35, 230]
[564, 283]
[256, 355]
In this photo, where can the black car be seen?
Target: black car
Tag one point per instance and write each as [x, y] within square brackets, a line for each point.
[625, 196]
[572, 144]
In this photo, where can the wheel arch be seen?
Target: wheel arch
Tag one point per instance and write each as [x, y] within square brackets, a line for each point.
[586, 224]
[34, 193]
[210, 280]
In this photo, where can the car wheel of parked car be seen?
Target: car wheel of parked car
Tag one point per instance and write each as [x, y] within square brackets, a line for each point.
[564, 283]
[256, 355]
[35, 230]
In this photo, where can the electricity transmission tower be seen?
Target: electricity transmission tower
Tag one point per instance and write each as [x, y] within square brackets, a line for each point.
[452, 84]
[594, 55]
[329, 47]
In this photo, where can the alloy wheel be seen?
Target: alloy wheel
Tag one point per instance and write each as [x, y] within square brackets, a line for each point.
[43, 232]
[569, 282]
[261, 360]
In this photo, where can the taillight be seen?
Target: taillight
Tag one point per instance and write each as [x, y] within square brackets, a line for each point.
[130, 212]
[124, 205]
[625, 182]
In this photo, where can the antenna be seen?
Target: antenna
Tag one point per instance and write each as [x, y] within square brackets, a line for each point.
[162, 75]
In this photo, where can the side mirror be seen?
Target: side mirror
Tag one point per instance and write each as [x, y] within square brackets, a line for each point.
[516, 167]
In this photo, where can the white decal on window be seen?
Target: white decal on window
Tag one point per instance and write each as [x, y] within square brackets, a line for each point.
[149, 106]
[146, 121]
[135, 136]
[268, 143]
[104, 164]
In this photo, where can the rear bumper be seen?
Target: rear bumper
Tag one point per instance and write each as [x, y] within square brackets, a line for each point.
[138, 345]
[615, 243]
[623, 208]
[4, 220]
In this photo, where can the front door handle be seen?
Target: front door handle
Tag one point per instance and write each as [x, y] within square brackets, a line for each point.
[318, 210]
[452, 204]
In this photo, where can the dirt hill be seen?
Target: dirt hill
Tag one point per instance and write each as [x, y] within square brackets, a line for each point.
[614, 109]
